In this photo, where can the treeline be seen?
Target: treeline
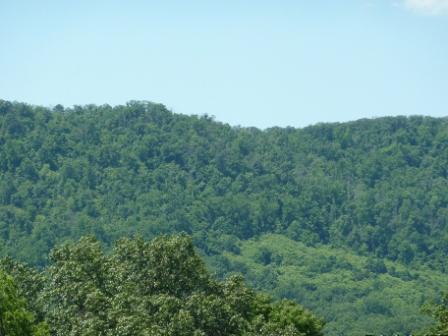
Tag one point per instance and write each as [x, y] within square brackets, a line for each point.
[141, 288]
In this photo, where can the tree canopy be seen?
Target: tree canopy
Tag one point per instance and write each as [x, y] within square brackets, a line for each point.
[374, 190]
[15, 319]
[143, 288]
[376, 186]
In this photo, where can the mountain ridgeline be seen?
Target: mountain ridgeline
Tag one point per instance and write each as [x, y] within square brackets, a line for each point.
[378, 187]
[369, 197]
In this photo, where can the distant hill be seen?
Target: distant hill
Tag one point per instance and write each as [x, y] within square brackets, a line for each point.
[374, 191]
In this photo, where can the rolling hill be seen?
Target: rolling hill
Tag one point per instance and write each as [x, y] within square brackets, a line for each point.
[348, 219]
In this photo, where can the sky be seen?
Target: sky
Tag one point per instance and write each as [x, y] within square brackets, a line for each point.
[245, 62]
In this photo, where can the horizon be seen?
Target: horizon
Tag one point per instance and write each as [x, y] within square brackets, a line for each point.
[249, 64]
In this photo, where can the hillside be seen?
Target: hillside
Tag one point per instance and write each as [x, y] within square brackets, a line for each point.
[372, 191]
[355, 295]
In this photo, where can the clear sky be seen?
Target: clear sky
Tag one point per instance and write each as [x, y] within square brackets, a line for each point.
[250, 63]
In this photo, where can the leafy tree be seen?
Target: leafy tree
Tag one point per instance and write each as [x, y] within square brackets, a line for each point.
[160, 287]
[440, 314]
[15, 320]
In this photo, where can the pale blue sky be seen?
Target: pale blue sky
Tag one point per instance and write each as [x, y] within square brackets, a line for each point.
[250, 63]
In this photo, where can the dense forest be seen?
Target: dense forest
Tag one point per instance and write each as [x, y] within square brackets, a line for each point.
[347, 219]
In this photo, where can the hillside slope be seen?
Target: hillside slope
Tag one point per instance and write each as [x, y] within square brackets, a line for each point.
[356, 295]
[375, 188]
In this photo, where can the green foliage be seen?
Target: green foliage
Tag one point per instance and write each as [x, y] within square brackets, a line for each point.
[440, 313]
[15, 320]
[377, 187]
[159, 287]
[374, 188]
[342, 287]
[286, 318]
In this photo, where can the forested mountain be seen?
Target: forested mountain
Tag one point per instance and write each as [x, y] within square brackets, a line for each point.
[367, 197]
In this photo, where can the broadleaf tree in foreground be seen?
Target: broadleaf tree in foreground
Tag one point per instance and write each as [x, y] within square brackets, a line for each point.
[158, 287]
[15, 319]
